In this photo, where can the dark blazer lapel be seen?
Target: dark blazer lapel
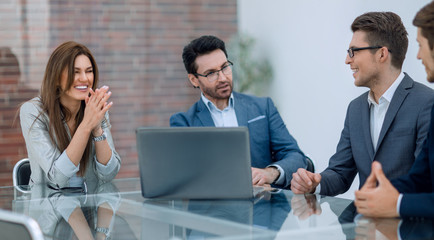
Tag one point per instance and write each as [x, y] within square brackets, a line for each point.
[204, 115]
[241, 109]
[397, 100]
[366, 126]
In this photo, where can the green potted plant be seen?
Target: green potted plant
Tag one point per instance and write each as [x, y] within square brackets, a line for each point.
[251, 74]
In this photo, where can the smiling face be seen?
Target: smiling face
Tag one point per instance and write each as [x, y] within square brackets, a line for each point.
[426, 55]
[219, 90]
[83, 80]
[363, 63]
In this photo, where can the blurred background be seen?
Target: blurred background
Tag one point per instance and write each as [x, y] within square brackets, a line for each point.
[292, 51]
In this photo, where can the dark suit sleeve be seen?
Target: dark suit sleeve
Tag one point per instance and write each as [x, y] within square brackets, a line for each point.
[285, 150]
[342, 169]
[417, 205]
[423, 126]
[417, 185]
[416, 229]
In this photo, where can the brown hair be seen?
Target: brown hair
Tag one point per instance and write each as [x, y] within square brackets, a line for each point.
[62, 59]
[424, 19]
[384, 29]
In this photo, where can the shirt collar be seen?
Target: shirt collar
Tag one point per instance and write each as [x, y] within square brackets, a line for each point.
[388, 95]
[211, 105]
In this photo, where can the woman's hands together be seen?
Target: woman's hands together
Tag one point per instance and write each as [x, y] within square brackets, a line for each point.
[96, 106]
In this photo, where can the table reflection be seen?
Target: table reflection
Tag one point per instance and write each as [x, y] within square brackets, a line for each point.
[271, 211]
[267, 212]
[76, 214]
[73, 213]
[393, 228]
[305, 206]
[384, 228]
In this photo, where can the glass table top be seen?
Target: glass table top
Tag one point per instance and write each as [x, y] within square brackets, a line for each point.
[119, 208]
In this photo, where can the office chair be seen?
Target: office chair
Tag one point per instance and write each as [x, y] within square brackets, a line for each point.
[21, 175]
[18, 226]
[310, 164]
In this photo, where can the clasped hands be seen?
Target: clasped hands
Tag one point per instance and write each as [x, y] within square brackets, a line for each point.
[305, 182]
[371, 200]
[377, 197]
[96, 106]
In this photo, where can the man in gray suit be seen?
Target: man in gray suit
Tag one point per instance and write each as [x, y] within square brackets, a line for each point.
[388, 123]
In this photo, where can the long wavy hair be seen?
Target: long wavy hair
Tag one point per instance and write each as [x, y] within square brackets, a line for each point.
[63, 58]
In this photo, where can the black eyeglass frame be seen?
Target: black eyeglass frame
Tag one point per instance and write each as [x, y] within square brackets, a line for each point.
[351, 51]
[229, 64]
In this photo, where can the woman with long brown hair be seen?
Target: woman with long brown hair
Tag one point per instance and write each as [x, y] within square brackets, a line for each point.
[67, 128]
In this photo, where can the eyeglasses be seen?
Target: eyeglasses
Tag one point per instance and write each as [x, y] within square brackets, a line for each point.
[352, 50]
[213, 76]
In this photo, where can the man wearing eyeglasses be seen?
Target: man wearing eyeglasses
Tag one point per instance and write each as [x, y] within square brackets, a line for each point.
[411, 195]
[388, 123]
[274, 152]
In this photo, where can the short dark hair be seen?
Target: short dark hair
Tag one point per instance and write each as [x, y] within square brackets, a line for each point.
[424, 19]
[198, 47]
[384, 29]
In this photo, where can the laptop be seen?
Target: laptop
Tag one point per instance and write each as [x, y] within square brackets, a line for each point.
[18, 226]
[194, 162]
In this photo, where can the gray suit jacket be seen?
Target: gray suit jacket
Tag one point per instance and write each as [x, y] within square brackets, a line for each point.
[44, 154]
[401, 138]
[270, 141]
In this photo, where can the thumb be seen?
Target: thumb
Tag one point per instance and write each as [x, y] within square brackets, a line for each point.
[317, 177]
[378, 170]
[371, 181]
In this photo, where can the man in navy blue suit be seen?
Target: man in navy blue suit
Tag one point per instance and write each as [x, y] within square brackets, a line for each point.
[274, 152]
[411, 195]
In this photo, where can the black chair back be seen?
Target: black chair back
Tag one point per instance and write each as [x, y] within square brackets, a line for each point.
[23, 173]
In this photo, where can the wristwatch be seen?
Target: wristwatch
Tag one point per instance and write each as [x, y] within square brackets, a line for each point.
[106, 231]
[100, 138]
[275, 180]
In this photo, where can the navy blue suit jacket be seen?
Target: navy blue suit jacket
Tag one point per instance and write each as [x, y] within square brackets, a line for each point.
[270, 141]
[401, 138]
[418, 185]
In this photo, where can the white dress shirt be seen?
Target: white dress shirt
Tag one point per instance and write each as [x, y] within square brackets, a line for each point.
[225, 117]
[378, 110]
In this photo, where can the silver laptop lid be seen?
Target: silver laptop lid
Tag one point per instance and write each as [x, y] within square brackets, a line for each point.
[194, 162]
[18, 226]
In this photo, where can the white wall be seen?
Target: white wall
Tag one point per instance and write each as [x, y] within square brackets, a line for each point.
[306, 43]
